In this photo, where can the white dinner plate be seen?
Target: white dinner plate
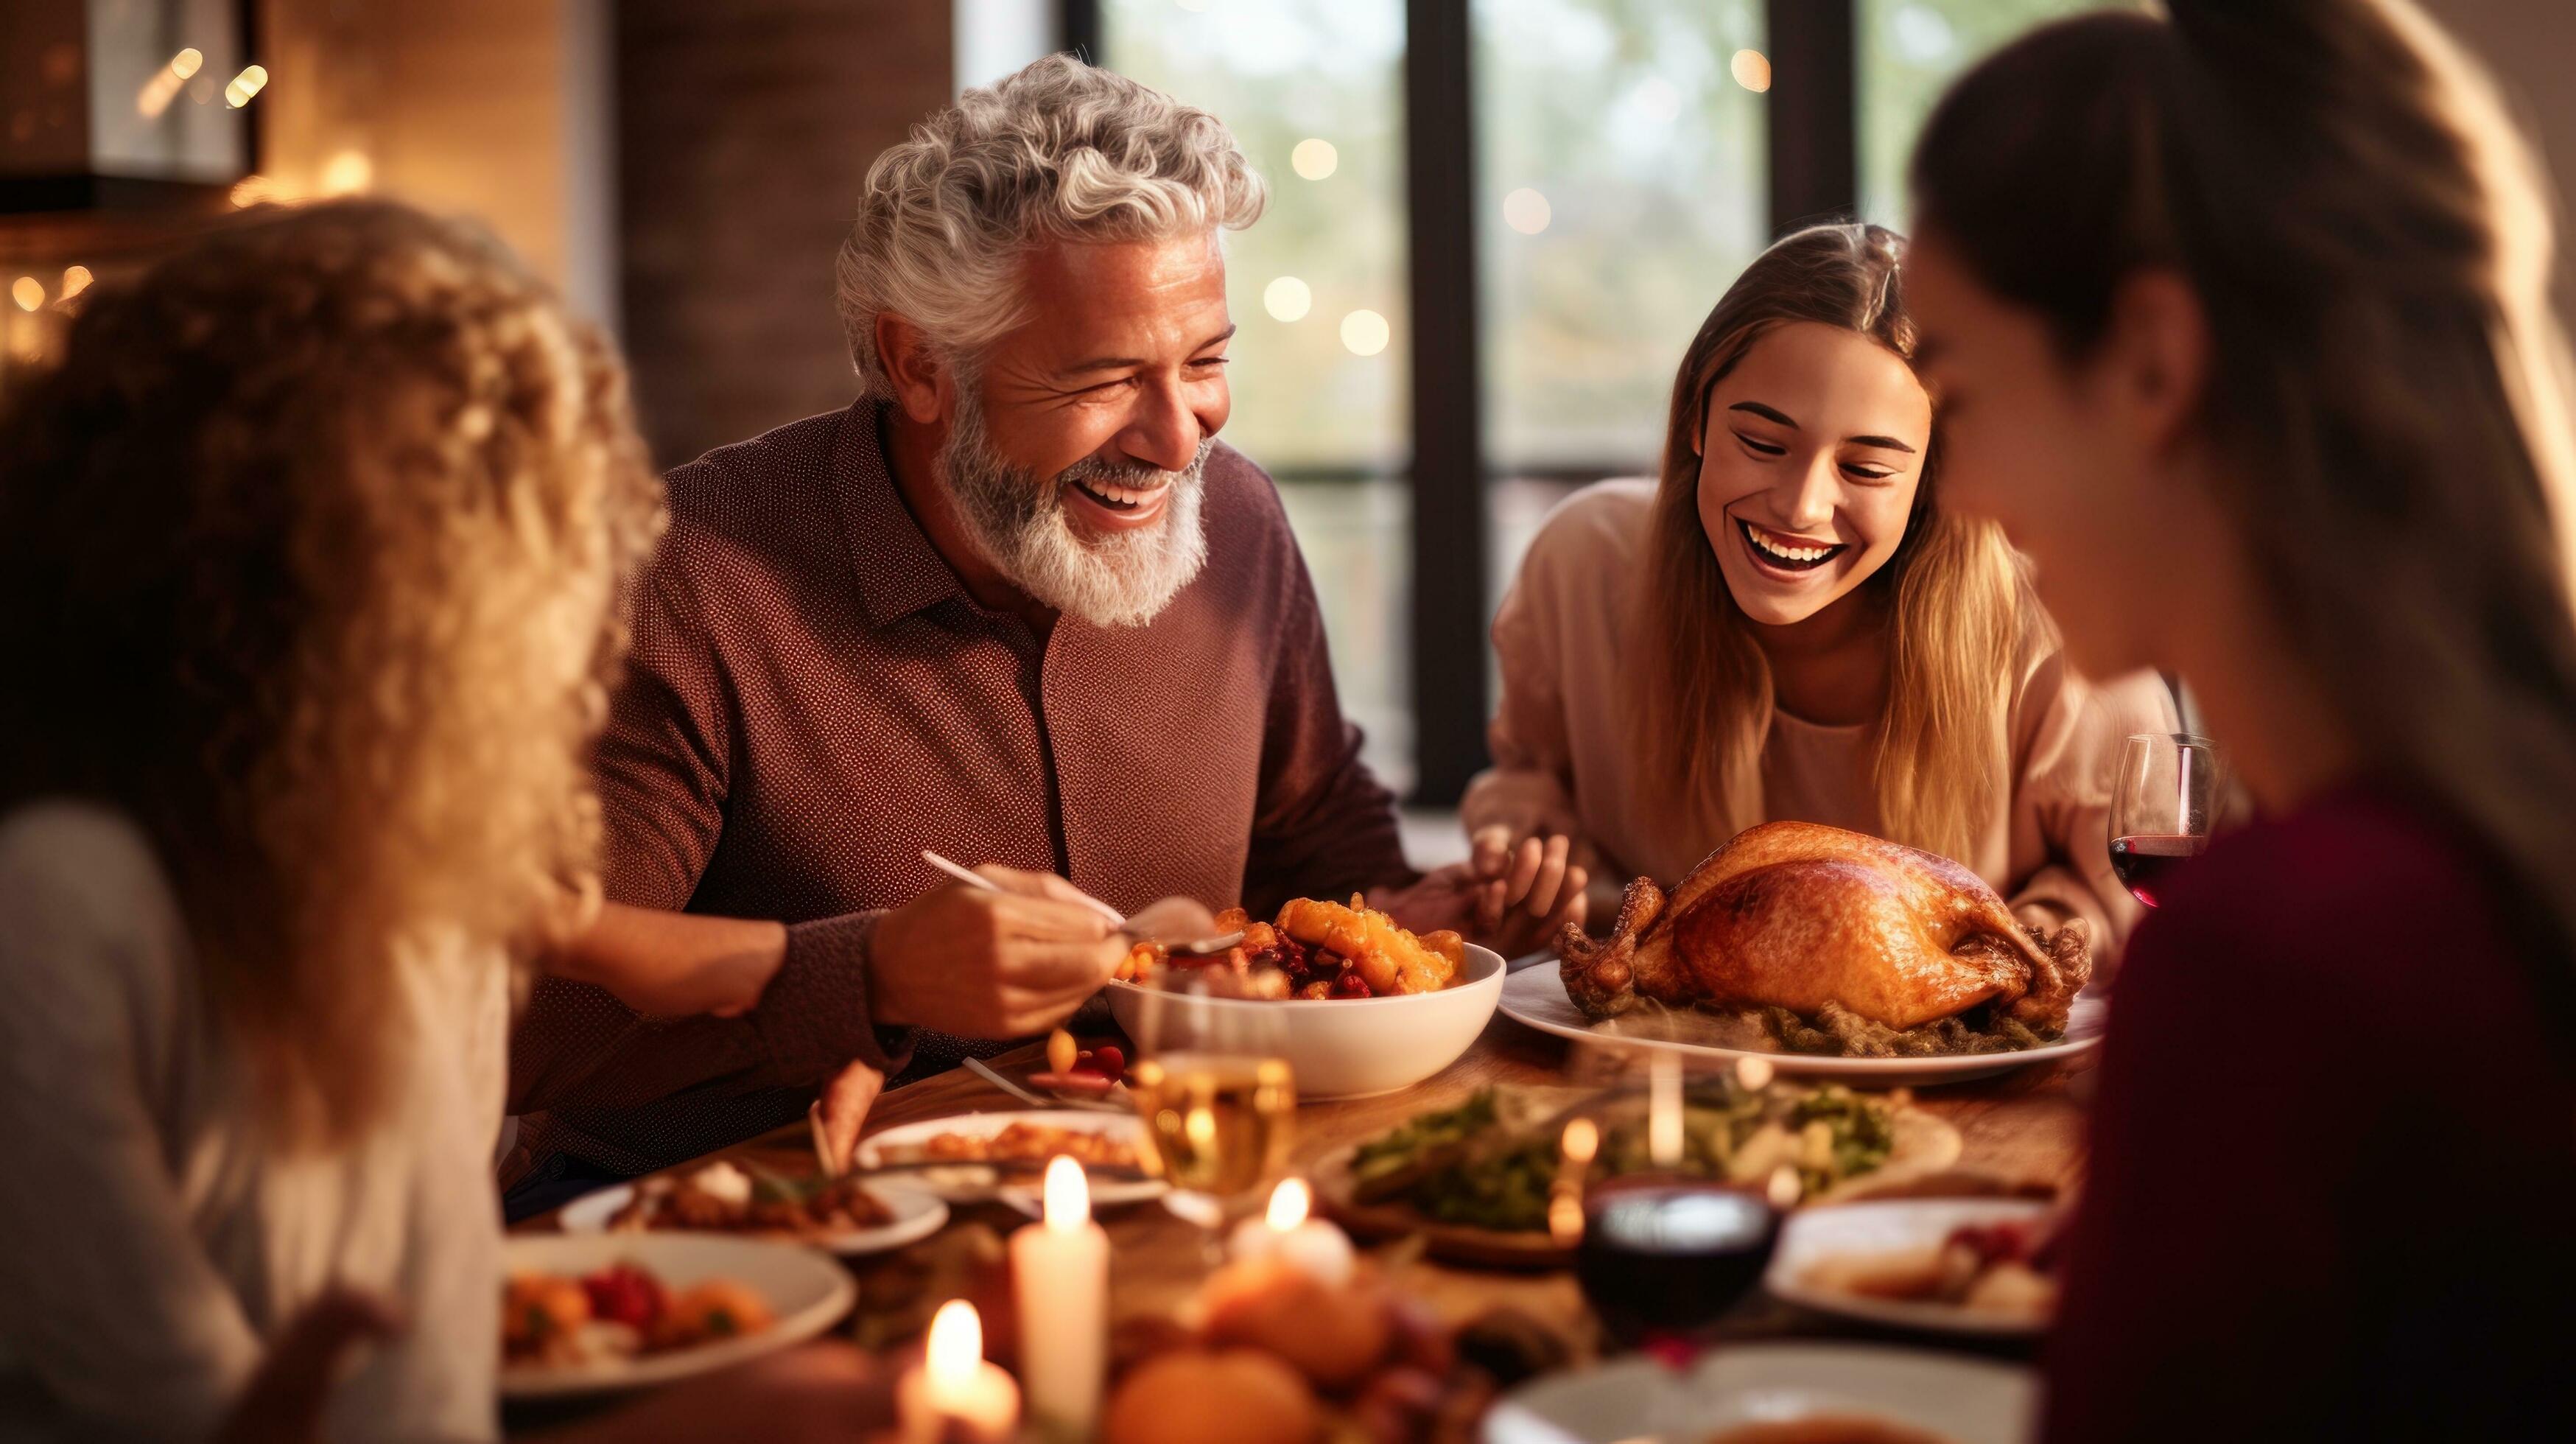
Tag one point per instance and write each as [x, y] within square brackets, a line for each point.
[1834, 1230]
[1536, 996]
[973, 1182]
[1973, 1401]
[918, 1213]
[807, 1293]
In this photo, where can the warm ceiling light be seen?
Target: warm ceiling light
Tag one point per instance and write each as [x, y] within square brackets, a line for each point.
[76, 279]
[185, 63]
[28, 292]
[1751, 69]
[245, 85]
[1526, 211]
[1314, 159]
[1365, 333]
[1287, 299]
[347, 173]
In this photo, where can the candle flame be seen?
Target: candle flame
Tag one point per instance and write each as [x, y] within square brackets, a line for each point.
[1289, 1203]
[1068, 1195]
[956, 1347]
[1582, 1142]
[1664, 1110]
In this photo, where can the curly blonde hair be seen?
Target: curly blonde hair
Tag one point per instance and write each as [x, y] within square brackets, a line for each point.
[309, 551]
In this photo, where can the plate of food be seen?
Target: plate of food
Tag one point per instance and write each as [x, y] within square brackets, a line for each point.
[1778, 1394]
[1981, 1266]
[972, 1157]
[1832, 953]
[1475, 1181]
[847, 1216]
[585, 1314]
[1354, 1003]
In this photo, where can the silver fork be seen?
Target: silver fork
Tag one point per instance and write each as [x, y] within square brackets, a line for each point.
[1200, 948]
[989, 1074]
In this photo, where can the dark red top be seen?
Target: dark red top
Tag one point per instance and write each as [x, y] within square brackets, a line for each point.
[814, 698]
[2333, 1183]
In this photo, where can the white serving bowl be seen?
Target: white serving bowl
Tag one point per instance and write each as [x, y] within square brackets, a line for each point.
[1337, 1047]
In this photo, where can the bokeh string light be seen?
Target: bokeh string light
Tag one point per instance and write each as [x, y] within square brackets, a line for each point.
[1314, 158]
[250, 82]
[1365, 333]
[1287, 299]
[1527, 212]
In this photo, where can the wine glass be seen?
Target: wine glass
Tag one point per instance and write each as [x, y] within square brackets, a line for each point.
[2167, 792]
[1668, 1249]
[1217, 1097]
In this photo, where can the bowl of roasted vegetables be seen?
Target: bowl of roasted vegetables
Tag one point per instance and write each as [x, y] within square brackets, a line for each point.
[1357, 1004]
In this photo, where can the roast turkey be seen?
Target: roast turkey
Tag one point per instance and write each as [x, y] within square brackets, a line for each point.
[1796, 915]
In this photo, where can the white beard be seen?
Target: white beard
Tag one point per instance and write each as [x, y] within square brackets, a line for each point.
[1018, 522]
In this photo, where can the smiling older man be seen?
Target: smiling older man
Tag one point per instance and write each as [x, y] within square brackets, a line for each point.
[1017, 605]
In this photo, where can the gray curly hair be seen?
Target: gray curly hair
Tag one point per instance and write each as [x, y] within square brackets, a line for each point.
[1059, 151]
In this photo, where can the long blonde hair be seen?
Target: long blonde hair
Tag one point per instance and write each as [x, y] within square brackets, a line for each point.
[1956, 604]
[2369, 240]
[307, 551]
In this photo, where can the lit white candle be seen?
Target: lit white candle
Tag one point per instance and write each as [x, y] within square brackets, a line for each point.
[1060, 1273]
[955, 1395]
[1312, 1245]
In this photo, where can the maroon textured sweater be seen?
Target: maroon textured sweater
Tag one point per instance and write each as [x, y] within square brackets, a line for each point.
[814, 698]
[2333, 1152]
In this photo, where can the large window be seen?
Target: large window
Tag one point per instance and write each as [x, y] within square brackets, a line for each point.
[1626, 158]
[1620, 184]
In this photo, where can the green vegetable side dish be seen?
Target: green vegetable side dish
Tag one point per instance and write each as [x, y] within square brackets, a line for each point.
[1465, 1165]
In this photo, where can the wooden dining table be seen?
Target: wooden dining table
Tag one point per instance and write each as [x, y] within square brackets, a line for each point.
[2021, 1133]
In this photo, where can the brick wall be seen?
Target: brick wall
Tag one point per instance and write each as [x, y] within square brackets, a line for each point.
[743, 131]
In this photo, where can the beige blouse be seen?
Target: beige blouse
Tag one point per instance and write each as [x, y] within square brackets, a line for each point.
[150, 1247]
[1564, 761]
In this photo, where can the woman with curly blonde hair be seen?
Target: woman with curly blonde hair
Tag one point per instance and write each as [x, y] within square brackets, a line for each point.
[307, 555]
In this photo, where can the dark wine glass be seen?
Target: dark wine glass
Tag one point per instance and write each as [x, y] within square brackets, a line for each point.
[1663, 1257]
[2166, 795]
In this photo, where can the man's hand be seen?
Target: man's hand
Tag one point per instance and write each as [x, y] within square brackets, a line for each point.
[1510, 899]
[991, 964]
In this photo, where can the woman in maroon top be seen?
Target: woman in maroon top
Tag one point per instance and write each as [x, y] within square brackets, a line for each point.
[2237, 321]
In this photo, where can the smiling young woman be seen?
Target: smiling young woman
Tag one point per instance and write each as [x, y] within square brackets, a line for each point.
[1789, 625]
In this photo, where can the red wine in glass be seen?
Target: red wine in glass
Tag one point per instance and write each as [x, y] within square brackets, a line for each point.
[1665, 1257]
[2166, 795]
[2145, 862]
